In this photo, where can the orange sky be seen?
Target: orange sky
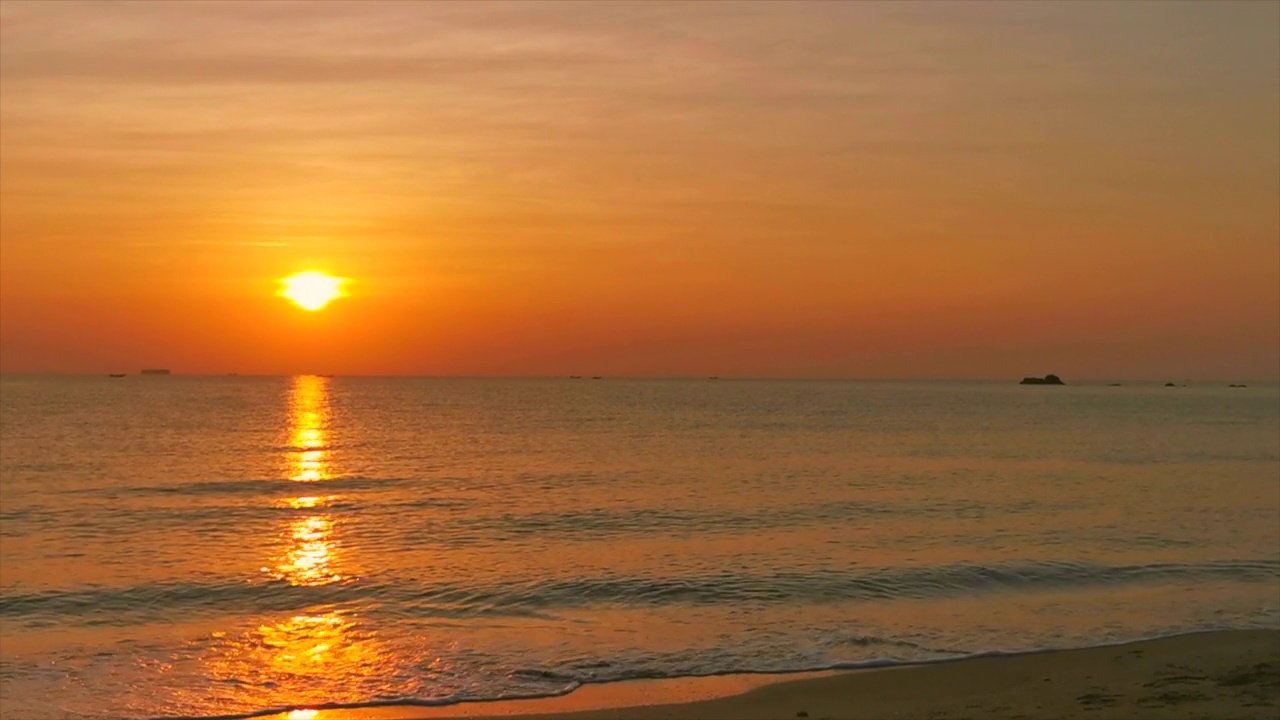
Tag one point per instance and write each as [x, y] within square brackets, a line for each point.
[763, 189]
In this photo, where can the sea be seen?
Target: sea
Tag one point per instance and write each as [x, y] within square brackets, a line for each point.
[224, 546]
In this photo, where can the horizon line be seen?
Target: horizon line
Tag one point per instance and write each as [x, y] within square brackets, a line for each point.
[813, 378]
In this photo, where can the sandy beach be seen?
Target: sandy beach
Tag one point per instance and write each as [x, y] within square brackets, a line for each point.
[1229, 674]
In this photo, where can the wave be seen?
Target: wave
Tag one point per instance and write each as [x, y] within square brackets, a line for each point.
[604, 520]
[603, 523]
[223, 499]
[541, 598]
[405, 702]
[572, 683]
[252, 486]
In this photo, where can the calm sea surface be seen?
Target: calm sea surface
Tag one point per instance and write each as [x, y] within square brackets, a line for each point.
[210, 546]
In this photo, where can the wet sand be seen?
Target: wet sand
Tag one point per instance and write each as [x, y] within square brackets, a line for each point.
[1231, 674]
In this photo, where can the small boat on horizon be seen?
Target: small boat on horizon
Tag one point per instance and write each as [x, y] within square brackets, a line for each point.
[115, 375]
[1046, 380]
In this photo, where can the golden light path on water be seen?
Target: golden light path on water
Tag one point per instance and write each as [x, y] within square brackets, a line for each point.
[309, 556]
[320, 655]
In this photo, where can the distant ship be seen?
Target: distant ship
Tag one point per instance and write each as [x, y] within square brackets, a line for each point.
[155, 371]
[116, 375]
[1046, 380]
[575, 377]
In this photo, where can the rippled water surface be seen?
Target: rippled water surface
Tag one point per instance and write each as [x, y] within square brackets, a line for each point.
[204, 546]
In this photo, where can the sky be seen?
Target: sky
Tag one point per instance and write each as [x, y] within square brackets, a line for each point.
[773, 189]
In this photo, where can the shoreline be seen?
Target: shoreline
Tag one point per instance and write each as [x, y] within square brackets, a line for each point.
[1206, 674]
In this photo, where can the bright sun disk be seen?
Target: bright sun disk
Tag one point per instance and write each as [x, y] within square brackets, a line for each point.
[312, 290]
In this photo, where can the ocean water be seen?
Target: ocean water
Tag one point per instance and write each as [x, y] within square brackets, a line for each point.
[217, 546]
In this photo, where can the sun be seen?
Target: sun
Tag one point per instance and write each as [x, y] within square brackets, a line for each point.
[312, 290]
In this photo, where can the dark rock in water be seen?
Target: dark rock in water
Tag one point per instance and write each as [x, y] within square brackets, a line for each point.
[1046, 380]
[1170, 385]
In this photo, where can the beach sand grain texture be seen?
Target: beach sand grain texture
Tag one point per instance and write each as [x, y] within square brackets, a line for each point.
[1215, 675]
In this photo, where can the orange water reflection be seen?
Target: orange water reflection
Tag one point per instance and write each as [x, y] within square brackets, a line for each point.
[308, 658]
[309, 557]
[318, 654]
[309, 645]
[310, 551]
[308, 429]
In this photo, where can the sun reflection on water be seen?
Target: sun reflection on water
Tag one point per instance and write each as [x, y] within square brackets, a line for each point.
[309, 557]
[307, 658]
[306, 502]
[309, 423]
[320, 654]
[310, 554]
